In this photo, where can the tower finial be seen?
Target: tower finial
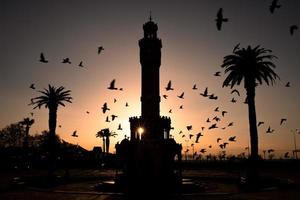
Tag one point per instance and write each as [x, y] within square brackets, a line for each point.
[150, 17]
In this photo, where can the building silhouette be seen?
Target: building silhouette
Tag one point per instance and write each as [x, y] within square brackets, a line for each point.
[150, 158]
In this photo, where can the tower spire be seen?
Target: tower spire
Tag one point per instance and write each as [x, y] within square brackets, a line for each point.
[150, 17]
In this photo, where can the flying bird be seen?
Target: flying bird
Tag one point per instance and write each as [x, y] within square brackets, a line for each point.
[180, 132]
[181, 96]
[202, 150]
[87, 112]
[31, 114]
[107, 119]
[189, 127]
[205, 93]
[165, 96]
[218, 140]
[100, 49]
[220, 19]
[208, 121]
[126, 105]
[233, 100]
[212, 96]
[194, 87]
[104, 107]
[170, 111]
[293, 28]
[236, 47]
[269, 130]
[43, 59]
[112, 85]
[169, 86]
[119, 127]
[274, 5]
[282, 120]
[287, 84]
[213, 126]
[181, 107]
[113, 117]
[80, 64]
[74, 134]
[198, 135]
[223, 113]
[115, 100]
[230, 124]
[232, 139]
[235, 91]
[216, 109]
[121, 89]
[216, 118]
[217, 73]
[32, 86]
[260, 123]
[191, 135]
[66, 60]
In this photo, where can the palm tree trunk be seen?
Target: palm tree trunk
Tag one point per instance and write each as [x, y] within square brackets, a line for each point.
[252, 122]
[103, 140]
[52, 127]
[107, 144]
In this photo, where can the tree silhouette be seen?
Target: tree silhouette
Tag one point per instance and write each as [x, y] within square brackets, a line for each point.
[100, 134]
[51, 98]
[107, 135]
[254, 66]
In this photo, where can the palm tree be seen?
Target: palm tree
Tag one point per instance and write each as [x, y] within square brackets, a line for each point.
[51, 98]
[27, 122]
[254, 66]
[100, 134]
[107, 135]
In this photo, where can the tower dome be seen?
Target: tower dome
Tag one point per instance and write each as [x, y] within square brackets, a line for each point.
[150, 29]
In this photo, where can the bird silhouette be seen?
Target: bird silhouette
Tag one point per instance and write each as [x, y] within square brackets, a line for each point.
[181, 107]
[100, 49]
[217, 73]
[80, 64]
[232, 139]
[274, 5]
[87, 112]
[230, 124]
[198, 135]
[260, 123]
[293, 28]
[213, 126]
[183, 136]
[181, 96]
[218, 140]
[202, 128]
[104, 107]
[170, 111]
[169, 86]
[216, 118]
[210, 146]
[233, 100]
[113, 117]
[220, 19]
[107, 119]
[194, 87]
[126, 104]
[223, 113]
[282, 120]
[66, 60]
[236, 47]
[191, 135]
[112, 85]
[74, 134]
[202, 150]
[115, 100]
[119, 127]
[208, 121]
[205, 93]
[121, 89]
[213, 97]
[180, 132]
[59, 126]
[288, 84]
[31, 114]
[216, 109]
[189, 127]
[43, 59]
[269, 130]
[32, 86]
[235, 91]
[165, 96]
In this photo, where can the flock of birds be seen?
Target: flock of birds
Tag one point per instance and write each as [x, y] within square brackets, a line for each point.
[213, 122]
[273, 6]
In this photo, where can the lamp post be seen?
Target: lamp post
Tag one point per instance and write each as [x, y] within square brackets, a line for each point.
[295, 144]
